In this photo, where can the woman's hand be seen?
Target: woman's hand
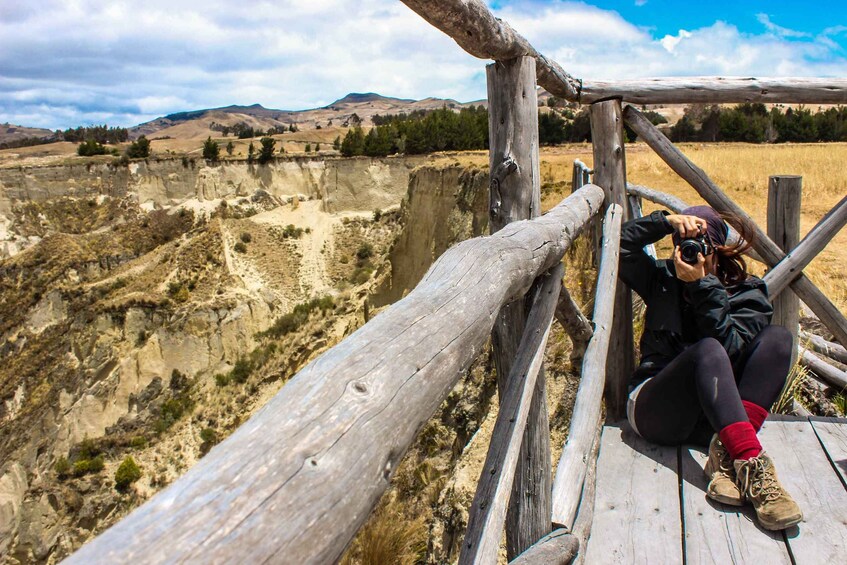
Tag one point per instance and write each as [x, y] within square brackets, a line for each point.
[685, 271]
[687, 226]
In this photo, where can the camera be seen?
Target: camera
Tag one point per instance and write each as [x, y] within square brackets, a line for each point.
[690, 247]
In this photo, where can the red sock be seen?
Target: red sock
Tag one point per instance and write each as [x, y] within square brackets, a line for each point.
[755, 413]
[740, 440]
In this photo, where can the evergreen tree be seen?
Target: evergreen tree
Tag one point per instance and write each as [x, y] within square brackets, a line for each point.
[139, 149]
[251, 152]
[229, 148]
[551, 129]
[266, 154]
[354, 143]
[308, 148]
[317, 147]
[337, 143]
[211, 149]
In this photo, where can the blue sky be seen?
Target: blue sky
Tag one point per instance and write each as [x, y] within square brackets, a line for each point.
[65, 63]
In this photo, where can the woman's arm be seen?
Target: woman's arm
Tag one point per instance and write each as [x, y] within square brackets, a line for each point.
[637, 269]
[734, 324]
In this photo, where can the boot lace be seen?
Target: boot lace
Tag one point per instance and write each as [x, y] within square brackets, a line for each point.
[759, 477]
[725, 461]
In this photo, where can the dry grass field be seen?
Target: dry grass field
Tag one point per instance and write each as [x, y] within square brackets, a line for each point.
[742, 171]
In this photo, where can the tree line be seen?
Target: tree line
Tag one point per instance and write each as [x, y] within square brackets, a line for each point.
[754, 123]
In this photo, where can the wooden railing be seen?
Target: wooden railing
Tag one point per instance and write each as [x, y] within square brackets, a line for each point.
[296, 481]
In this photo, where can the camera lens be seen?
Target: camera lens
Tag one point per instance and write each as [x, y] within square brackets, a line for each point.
[688, 250]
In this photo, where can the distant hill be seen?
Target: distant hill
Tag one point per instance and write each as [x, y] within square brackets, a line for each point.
[200, 123]
[12, 133]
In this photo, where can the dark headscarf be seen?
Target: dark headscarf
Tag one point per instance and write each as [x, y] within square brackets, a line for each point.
[716, 228]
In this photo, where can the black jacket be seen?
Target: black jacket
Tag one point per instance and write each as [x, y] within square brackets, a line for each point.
[681, 313]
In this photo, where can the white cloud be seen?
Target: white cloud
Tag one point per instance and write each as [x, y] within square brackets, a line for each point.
[765, 20]
[66, 63]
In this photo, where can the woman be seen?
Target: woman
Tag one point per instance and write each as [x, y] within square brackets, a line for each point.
[710, 361]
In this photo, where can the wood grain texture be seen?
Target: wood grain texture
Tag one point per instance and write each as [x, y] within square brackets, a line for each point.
[718, 533]
[472, 25]
[587, 411]
[718, 90]
[826, 311]
[298, 479]
[808, 476]
[487, 514]
[783, 225]
[833, 436]
[823, 371]
[610, 173]
[556, 548]
[585, 513]
[800, 255]
[824, 347]
[636, 509]
[515, 194]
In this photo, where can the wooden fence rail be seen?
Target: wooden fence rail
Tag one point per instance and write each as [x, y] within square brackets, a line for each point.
[586, 417]
[299, 478]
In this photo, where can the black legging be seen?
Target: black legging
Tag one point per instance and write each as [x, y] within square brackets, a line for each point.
[702, 381]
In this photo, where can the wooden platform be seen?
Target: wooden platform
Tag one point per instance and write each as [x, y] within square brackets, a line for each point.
[651, 505]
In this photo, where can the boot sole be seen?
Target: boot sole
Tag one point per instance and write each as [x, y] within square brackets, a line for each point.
[776, 526]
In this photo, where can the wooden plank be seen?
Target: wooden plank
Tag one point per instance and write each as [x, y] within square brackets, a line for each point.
[636, 509]
[718, 90]
[472, 25]
[783, 225]
[718, 533]
[488, 510]
[833, 436]
[800, 255]
[610, 173]
[807, 475]
[828, 313]
[585, 514]
[575, 324]
[515, 194]
[298, 479]
[556, 548]
[587, 412]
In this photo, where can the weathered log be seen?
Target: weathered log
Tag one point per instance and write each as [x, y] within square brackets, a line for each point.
[488, 510]
[575, 324]
[784, 272]
[829, 315]
[585, 516]
[823, 371]
[799, 410]
[472, 25]
[669, 201]
[824, 347]
[783, 225]
[610, 173]
[587, 411]
[556, 548]
[636, 212]
[718, 90]
[299, 478]
[516, 195]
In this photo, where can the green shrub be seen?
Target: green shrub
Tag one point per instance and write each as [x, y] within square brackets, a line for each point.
[172, 410]
[297, 317]
[90, 147]
[139, 149]
[246, 237]
[86, 466]
[240, 247]
[361, 275]
[221, 379]
[365, 251]
[377, 214]
[138, 442]
[62, 467]
[211, 150]
[292, 231]
[241, 371]
[128, 472]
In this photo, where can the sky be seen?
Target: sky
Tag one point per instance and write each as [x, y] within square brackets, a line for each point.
[65, 63]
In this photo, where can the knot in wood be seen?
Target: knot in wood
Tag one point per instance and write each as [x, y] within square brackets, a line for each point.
[359, 386]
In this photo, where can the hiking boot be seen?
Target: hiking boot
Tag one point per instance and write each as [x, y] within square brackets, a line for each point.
[721, 475]
[758, 481]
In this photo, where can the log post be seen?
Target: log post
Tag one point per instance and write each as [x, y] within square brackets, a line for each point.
[515, 194]
[610, 175]
[784, 229]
